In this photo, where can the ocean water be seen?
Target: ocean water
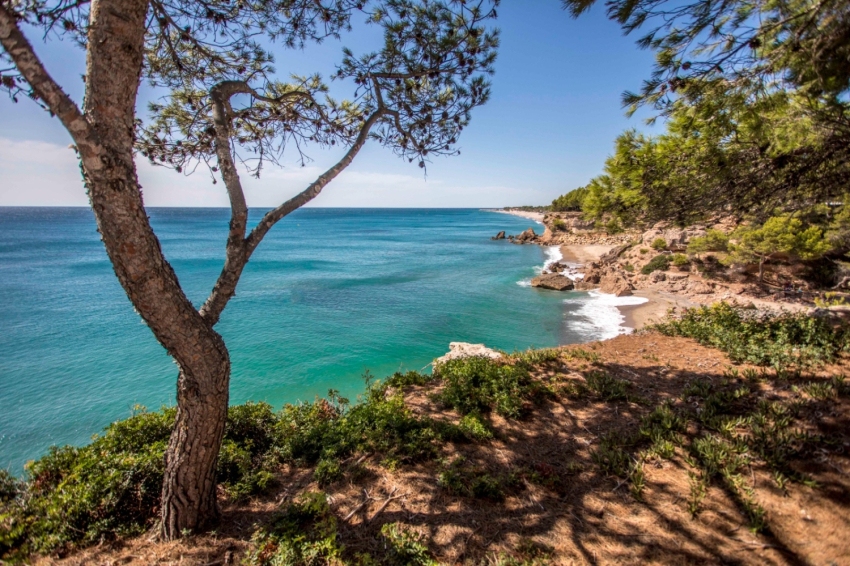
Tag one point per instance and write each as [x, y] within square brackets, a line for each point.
[329, 294]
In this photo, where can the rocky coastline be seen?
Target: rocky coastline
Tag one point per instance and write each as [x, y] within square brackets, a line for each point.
[619, 264]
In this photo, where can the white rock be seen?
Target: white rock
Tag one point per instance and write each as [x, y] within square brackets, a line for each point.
[467, 350]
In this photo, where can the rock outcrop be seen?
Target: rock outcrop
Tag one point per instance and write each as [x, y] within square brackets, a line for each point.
[467, 350]
[676, 238]
[614, 283]
[553, 281]
[499, 236]
[527, 236]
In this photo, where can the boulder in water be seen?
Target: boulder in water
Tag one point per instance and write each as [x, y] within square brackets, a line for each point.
[553, 281]
[499, 236]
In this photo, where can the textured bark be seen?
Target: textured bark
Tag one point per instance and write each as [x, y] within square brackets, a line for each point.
[103, 134]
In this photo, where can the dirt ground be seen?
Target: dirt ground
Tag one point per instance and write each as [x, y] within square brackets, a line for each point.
[559, 501]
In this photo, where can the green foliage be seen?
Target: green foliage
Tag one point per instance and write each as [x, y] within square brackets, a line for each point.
[305, 533]
[77, 496]
[713, 241]
[570, 202]
[658, 244]
[761, 338]
[536, 356]
[476, 384]
[473, 428]
[755, 95]
[559, 225]
[405, 547]
[658, 263]
[831, 299]
[778, 235]
[81, 495]
[680, 260]
[462, 480]
[607, 387]
[402, 380]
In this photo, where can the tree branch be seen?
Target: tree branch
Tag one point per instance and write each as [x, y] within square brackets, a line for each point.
[29, 65]
[239, 248]
[311, 192]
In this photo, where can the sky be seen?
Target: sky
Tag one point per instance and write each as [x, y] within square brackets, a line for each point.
[547, 129]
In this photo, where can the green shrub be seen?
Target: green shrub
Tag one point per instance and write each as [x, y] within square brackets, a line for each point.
[405, 547]
[304, 533]
[658, 244]
[644, 251]
[658, 263]
[466, 481]
[680, 260]
[327, 472]
[713, 241]
[82, 495]
[478, 384]
[473, 428]
[761, 338]
[613, 226]
[559, 225]
[402, 380]
[607, 387]
[333, 430]
[629, 268]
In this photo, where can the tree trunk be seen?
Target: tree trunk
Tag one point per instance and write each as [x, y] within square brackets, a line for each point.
[116, 41]
[103, 134]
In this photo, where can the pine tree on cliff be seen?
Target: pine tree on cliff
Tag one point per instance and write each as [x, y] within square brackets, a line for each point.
[413, 95]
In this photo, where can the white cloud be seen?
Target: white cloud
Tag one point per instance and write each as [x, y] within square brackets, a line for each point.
[39, 173]
[36, 173]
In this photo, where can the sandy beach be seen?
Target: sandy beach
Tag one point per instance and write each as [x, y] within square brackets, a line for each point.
[653, 311]
[536, 216]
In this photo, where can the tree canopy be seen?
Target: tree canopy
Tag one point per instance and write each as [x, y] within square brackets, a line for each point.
[757, 115]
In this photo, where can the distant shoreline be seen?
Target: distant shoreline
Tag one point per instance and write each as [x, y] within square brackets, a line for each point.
[536, 216]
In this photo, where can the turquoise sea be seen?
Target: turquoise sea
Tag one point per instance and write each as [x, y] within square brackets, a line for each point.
[329, 294]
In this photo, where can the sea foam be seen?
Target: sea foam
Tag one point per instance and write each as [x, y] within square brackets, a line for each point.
[597, 315]
[552, 255]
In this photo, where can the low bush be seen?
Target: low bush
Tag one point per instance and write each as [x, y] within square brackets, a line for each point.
[680, 260]
[761, 338]
[559, 225]
[81, 495]
[658, 263]
[476, 385]
[658, 244]
[405, 547]
[713, 241]
[304, 533]
[111, 487]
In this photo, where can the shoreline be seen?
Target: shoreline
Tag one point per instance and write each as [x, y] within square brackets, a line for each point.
[535, 216]
[654, 310]
[635, 317]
